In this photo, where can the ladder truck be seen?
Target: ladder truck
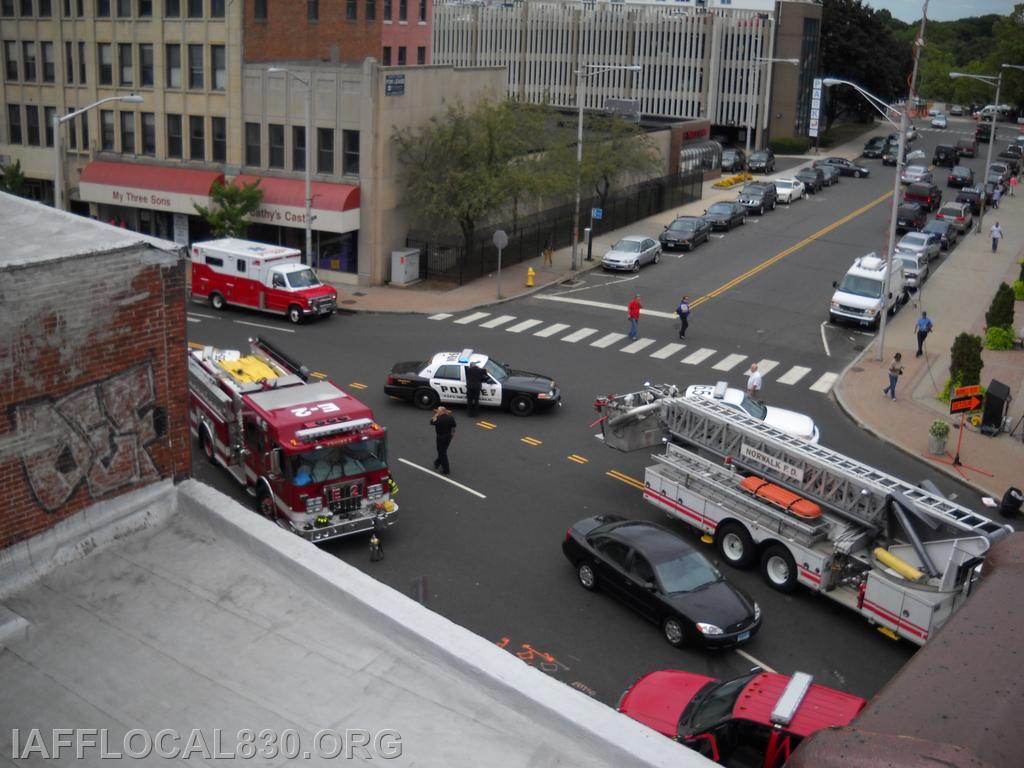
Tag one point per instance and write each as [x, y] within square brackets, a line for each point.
[310, 454]
[901, 555]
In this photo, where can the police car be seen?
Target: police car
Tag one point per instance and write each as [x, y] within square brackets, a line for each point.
[442, 379]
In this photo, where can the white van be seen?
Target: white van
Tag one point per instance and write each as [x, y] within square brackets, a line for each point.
[867, 290]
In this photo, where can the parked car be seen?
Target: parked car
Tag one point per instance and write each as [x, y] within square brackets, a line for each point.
[910, 216]
[915, 173]
[631, 253]
[1002, 169]
[967, 147]
[796, 424]
[725, 215]
[915, 268]
[846, 167]
[664, 578]
[923, 243]
[812, 179]
[972, 196]
[957, 214]
[758, 717]
[912, 133]
[939, 121]
[789, 190]
[926, 193]
[983, 133]
[758, 196]
[874, 147]
[830, 173]
[685, 232]
[1015, 151]
[945, 155]
[956, 110]
[734, 160]
[889, 155]
[944, 230]
[762, 161]
[1011, 161]
[960, 176]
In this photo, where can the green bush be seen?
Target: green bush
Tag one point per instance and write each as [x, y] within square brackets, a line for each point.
[1000, 311]
[965, 360]
[999, 338]
[1021, 278]
[949, 386]
[939, 429]
[795, 145]
[1018, 290]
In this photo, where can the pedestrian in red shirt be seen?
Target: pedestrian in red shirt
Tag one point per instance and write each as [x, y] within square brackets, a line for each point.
[634, 315]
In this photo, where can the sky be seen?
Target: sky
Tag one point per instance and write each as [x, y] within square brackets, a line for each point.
[942, 10]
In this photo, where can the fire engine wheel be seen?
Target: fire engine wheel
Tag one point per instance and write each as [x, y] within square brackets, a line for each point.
[778, 568]
[425, 398]
[265, 505]
[735, 545]
[206, 445]
[521, 405]
[674, 632]
[585, 573]
[295, 314]
[217, 301]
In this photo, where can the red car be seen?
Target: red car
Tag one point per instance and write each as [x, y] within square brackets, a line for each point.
[761, 713]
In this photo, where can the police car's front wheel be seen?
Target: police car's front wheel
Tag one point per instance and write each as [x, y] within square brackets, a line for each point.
[521, 405]
[425, 398]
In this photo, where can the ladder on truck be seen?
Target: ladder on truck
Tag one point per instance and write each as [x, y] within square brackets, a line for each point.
[852, 489]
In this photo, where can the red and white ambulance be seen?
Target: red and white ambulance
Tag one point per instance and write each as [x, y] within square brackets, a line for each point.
[270, 278]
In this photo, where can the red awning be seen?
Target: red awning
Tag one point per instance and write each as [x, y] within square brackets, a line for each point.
[292, 193]
[184, 181]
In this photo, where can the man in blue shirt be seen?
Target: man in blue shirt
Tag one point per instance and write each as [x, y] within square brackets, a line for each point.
[924, 327]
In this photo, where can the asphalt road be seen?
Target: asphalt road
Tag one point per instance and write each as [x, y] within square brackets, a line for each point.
[484, 550]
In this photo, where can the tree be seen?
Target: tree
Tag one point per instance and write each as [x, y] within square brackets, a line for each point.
[232, 207]
[615, 150]
[12, 179]
[965, 364]
[1000, 311]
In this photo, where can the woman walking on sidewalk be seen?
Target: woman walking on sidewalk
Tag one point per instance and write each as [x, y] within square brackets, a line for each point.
[895, 371]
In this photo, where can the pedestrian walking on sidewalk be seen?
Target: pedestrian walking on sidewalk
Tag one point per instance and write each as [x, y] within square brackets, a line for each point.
[895, 371]
[683, 310]
[444, 429]
[997, 234]
[1013, 185]
[924, 327]
[997, 194]
[634, 315]
[549, 254]
[753, 382]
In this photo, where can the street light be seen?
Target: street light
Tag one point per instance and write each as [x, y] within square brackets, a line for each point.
[308, 158]
[58, 174]
[752, 92]
[595, 69]
[883, 108]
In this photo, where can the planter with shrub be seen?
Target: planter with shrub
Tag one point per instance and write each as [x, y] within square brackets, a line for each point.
[938, 434]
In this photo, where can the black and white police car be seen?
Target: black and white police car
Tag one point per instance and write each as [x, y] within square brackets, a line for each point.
[442, 379]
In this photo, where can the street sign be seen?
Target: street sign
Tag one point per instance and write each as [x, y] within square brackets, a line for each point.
[964, 404]
[394, 85]
[500, 239]
[596, 213]
[974, 389]
[815, 107]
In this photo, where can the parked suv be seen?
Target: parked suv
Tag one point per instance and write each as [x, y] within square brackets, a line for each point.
[733, 160]
[758, 196]
[763, 161]
[812, 178]
[926, 193]
[875, 147]
[983, 133]
[967, 147]
[910, 217]
[957, 214]
[945, 155]
[971, 196]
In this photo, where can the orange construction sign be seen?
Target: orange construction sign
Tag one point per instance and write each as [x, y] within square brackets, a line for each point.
[974, 389]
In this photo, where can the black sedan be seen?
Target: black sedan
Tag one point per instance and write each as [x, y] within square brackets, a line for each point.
[812, 178]
[960, 176]
[911, 217]
[657, 573]
[844, 166]
[442, 379]
[725, 215]
[947, 233]
[685, 232]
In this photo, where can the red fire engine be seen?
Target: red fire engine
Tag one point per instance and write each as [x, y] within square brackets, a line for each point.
[309, 453]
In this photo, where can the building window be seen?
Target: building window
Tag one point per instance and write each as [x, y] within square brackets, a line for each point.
[14, 122]
[80, 9]
[85, 129]
[259, 10]
[423, 11]
[173, 56]
[196, 138]
[350, 153]
[28, 60]
[387, 55]
[387, 11]
[106, 129]
[145, 12]
[312, 10]
[11, 60]
[219, 65]
[195, 9]
[401, 55]
[275, 140]
[124, 9]
[146, 64]
[148, 133]
[219, 139]
[7, 8]
[45, 9]
[48, 114]
[298, 148]
[174, 136]
[403, 10]
[32, 125]
[102, 9]
[172, 9]
[128, 133]
[371, 10]
[106, 64]
[195, 67]
[126, 73]
[350, 10]
[49, 63]
[69, 63]
[325, 150]
[252, 144]
[72, 142]
[81, 63]
[421, 54]
[216, 9]
[26, 8]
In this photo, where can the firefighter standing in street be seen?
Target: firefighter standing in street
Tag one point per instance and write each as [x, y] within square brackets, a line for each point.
[444, 427]
[475, 375]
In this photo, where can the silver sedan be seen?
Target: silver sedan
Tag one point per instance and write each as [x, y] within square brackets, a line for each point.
[632, 252]
[923, 243]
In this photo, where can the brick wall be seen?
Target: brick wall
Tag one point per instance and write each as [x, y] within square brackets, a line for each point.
[93, 384]
[287, 34]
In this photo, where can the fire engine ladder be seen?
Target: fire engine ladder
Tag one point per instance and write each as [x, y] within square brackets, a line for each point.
[854, 490]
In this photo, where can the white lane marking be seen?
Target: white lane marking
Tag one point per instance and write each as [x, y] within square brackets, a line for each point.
[501, 320]
[551, 330]
[636, 346]
[606, 305]
[205, 317]
[579, 335]
[268, 327]
[472, 318]
[793, 375]
[729, 362]
[440, 316]
[520, 327]
[699, 356]
[824, 382]
[754, 661]
[667, 351]
[766, 366]
[607, 340]
[439, 476]
[193, 319]
[824, 341]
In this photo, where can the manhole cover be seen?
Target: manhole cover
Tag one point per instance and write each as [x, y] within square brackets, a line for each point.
[349, 301]
[358, 293]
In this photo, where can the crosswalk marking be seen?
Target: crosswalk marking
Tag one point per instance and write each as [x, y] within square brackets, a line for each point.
[551, 330]
[607, 340]
[824, 382]
[793, 375]
[667, 351]
[699, 356]
[729, 362]
[525, 325]
[472, 318]
[636, 346]
[500, 320]
[766, 366]
[440, 316]
[579, 335]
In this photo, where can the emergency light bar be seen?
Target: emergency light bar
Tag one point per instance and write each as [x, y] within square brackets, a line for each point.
[333, 429]
[791, 698]
[466, 354]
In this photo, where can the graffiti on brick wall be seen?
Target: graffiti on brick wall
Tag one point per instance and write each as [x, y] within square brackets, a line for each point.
[96, 435]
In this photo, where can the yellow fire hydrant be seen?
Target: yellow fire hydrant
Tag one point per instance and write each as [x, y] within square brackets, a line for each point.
[529, 277]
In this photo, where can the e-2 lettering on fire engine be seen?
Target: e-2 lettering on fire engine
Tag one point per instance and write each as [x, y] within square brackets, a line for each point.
[903, 556]
[311, 455]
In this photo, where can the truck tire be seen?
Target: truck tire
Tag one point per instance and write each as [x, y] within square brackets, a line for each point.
[778, 568]
[206, 446]
[217, 301]
[735, 545]
[521, 405]
[295, 314]
[425, 398]
[265, 505]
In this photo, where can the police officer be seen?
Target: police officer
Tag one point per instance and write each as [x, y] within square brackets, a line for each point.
[444, 427]
[475, 375]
